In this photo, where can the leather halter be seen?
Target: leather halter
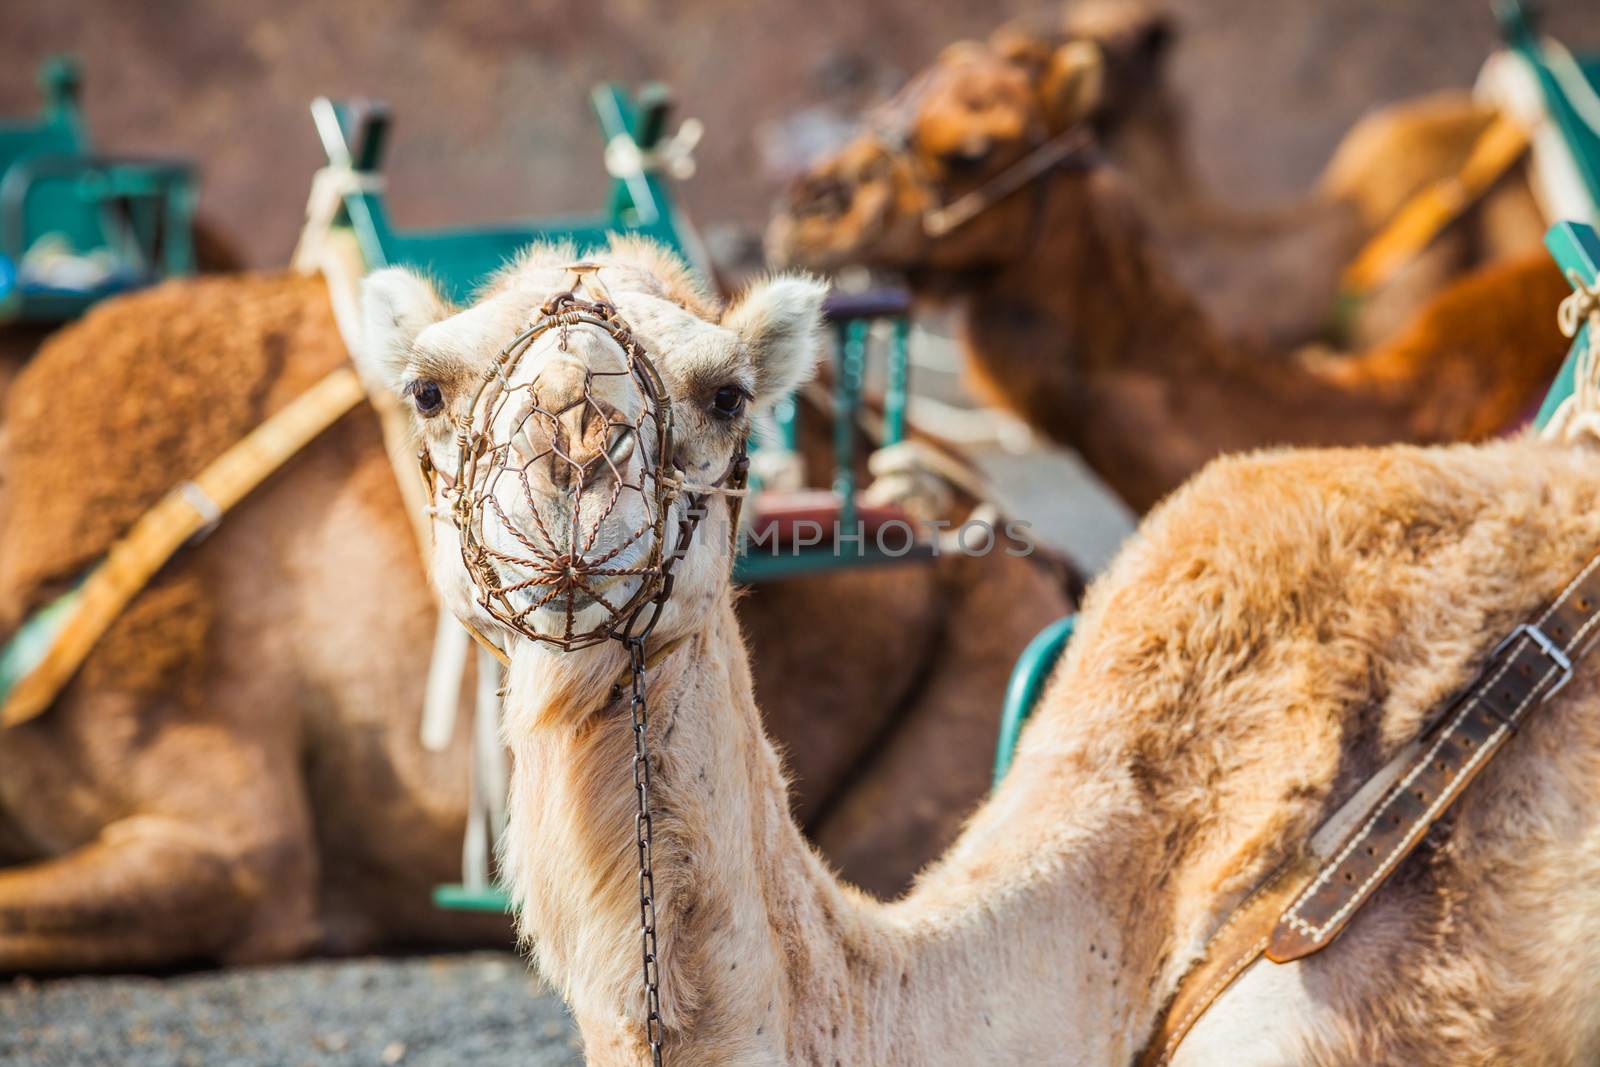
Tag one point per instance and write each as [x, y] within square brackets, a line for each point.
[1303, 906]
[1072, 149]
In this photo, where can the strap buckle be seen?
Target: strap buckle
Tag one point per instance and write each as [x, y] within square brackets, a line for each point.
[209, 510]
[1551, 650]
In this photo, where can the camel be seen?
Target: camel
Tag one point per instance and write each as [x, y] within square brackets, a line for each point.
[236, 775]
[1276, 631]
[1072, 318]
[1268, 276]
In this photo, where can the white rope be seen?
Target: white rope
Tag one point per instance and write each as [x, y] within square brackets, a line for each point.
[1579, 414]
[442, 694]
[680, 483]
[673, 156]
[329, 187]
[777, 470]
[208, 509]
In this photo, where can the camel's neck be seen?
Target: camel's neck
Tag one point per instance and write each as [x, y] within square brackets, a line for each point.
[1152, 146]
[1091, 340]
[766, 957]
[739, 894]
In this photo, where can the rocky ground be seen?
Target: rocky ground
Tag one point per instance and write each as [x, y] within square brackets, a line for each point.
[436, 1011]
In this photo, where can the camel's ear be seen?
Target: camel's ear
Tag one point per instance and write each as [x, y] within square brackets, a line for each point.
[780, 322]
[1073, 83]
[396, 306]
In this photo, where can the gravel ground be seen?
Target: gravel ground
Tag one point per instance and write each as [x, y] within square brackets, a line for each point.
[435, 1011]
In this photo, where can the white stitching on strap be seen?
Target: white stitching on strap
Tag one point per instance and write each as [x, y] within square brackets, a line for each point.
[1292, 917]
[1210, 994]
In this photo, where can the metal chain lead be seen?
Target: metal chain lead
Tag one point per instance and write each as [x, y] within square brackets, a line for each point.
[644, 838]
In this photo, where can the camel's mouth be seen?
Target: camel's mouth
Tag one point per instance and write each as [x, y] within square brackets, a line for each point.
[563, 483]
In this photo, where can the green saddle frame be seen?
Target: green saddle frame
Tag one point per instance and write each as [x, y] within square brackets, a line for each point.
[138, 214]
[354, 135]
[1519, 29]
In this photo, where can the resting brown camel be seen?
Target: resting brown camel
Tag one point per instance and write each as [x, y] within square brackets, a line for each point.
[1266, 276]
[1073, 319]
[236, 774]
[1277, 631]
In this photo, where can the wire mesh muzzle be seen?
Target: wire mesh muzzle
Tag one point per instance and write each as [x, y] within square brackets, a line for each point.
[539, 577]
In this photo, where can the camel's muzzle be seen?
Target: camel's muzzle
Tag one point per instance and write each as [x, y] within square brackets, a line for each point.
[564, 483]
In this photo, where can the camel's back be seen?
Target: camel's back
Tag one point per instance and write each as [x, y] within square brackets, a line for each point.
[1276, 632]
[142, 393]
[1351, 588]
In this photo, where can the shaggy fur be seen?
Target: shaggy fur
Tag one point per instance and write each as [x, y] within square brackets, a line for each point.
[235, 774]
[1115, 330]
[131, 408]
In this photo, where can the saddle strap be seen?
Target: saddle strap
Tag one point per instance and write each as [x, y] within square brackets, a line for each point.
[1533, 662]
[1237, 944]
[1324, 889]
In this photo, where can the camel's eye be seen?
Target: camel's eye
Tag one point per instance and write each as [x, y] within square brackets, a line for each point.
[427, 396]
[728, 402]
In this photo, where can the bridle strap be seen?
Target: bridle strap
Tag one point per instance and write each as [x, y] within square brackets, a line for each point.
[1070, 146]
[1302, 907]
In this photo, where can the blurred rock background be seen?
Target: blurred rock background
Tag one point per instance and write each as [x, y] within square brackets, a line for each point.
[492, 114]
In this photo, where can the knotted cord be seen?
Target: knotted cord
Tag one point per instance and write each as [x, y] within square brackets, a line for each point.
[1579, 414]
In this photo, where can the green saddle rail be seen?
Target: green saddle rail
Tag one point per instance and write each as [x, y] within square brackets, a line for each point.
[354, 135]
[1576, 249]
[76, 226]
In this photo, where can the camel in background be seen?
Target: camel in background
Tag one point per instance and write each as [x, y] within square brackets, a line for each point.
[1073, 318]
[236, 773]
[1268, 276]
[1277, 631]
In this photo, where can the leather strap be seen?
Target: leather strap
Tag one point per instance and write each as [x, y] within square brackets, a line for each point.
[1237, 944]
[1529, 665]
[1323, 892]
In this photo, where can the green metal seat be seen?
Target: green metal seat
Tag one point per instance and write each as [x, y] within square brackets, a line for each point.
[76, 226]
[355, 133]
[1575, 246]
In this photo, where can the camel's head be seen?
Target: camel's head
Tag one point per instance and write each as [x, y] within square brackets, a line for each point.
[967, 125]
[573, 435]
